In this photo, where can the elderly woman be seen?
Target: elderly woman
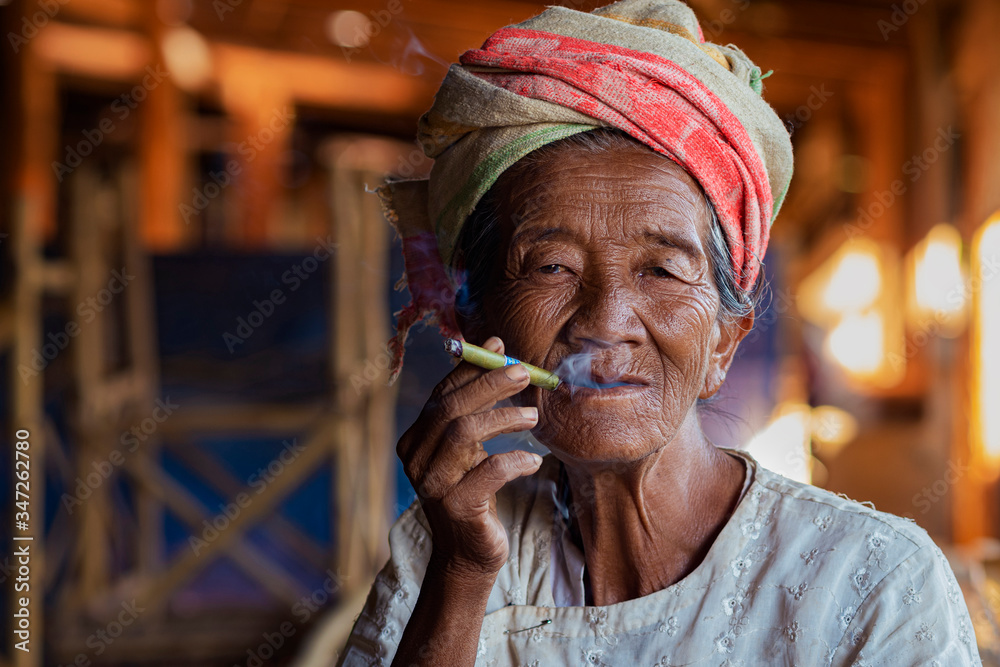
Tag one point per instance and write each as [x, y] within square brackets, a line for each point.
[603, 188]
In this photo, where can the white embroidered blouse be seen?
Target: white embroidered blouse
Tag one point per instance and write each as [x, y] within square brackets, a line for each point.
[797, 576]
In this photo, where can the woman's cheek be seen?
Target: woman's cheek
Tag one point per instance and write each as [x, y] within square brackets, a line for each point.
[681, 325]
[530, 318]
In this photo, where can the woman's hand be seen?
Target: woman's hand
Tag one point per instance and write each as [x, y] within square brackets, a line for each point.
[455, 479]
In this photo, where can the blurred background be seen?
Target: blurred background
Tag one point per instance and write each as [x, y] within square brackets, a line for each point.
[196, 289]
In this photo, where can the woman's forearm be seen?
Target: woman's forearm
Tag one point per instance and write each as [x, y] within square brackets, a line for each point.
[447, 618]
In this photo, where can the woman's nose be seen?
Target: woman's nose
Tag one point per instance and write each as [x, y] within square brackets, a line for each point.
[607, 314]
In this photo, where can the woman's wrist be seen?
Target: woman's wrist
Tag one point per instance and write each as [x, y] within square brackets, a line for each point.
[457, 575]
[447, 618]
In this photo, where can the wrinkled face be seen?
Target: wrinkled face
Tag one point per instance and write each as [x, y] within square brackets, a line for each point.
[607, 255]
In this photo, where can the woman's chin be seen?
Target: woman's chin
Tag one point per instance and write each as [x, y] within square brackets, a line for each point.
[598, 441]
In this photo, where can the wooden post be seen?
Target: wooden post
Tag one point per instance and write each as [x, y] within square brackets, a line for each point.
[34, 215]
[163, 152]
[979, 109]
[359, 361]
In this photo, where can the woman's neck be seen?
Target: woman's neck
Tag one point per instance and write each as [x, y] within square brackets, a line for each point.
[646, 525]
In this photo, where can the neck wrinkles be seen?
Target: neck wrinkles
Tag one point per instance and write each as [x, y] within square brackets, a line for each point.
[644, 528]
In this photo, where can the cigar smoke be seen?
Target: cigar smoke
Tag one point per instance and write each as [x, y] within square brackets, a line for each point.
[576, 371]
[410, 54]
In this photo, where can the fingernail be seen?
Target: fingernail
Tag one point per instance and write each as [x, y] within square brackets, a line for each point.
[516, 372]
[529, 413]
[492, 344]
[536, 459]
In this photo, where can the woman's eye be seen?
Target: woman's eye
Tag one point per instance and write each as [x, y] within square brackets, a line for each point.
[656, 272]
[552, 268]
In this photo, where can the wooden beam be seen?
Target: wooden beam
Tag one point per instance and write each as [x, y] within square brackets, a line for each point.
[318, 81]
[156, 593]
[209, 638]
[117, 13]
[101, 53]
[244, 418]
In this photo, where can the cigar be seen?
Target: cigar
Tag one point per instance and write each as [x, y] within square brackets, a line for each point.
[490, 360]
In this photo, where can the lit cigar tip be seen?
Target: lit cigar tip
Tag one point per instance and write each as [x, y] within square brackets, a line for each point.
[453, 347]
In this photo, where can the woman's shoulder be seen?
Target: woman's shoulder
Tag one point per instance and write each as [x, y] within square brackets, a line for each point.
[825, 512]
[831, 533]
[895, 597]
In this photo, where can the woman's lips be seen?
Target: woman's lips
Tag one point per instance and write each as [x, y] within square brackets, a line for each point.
[597, 384]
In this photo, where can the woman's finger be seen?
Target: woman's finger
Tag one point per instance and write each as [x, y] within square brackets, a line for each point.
[461, 447]
[440, 409]
[465, 372]
[483, 392]
[478, 487]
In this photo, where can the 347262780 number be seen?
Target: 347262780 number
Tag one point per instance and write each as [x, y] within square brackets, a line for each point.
[22, 485]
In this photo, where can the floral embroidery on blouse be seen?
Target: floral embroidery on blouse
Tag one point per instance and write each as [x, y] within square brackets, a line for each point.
[876, 548]
[846, 616]
[792, 631]
[954, 594]
[597, 617]
[752, 527]
[911, 596]
[861, 581]
[924, 632]
[798, 591]
[726, 642]
[741, 565]
[733, 604]
[964, 635]
[670, 627]
[823, 522]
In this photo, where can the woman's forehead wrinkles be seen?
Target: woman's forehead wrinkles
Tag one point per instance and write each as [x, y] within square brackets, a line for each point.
[618, 197]
[670, 213]
[607, 182]
[535, 234]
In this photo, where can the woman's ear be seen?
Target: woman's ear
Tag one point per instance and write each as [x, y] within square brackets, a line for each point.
[730, 334]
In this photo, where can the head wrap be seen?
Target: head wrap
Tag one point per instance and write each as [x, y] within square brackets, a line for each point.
[642, 66]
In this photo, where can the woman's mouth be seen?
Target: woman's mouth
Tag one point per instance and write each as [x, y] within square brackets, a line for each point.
[582, 373]
[595, 384]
